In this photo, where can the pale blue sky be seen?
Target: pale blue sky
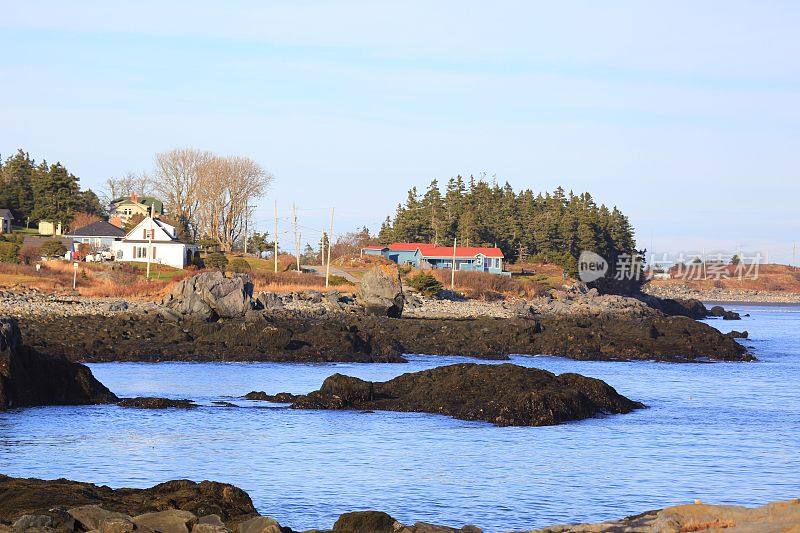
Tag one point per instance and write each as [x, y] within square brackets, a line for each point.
[684, 114]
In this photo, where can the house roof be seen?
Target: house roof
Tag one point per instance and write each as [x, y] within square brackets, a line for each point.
[158, 205]
[100, 228]
[6, 213]
[432, 250]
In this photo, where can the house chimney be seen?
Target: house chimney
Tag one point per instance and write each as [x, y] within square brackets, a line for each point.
[134, 197]
[115, 221]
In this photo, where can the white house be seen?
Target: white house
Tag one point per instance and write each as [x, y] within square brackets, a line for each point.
[158, 240]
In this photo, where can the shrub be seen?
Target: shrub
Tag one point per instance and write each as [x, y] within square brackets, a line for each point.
[337, 280]
[9, 252]
[425, 283]
[30, 254]
[240, 264]
[216, 261]
[53, 248]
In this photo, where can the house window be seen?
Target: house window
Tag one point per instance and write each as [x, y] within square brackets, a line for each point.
[497, 263]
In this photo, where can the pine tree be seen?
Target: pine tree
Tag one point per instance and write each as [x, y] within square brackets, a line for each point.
[16, 192]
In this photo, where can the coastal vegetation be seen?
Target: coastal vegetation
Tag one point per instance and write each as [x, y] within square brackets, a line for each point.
[554, 227]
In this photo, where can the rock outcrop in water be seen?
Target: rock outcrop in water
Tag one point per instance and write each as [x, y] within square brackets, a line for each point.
[267, 336]
[29, 378]
[146, 402]
[505, 395]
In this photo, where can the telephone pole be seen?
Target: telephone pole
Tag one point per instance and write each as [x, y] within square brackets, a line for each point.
[149, 242]
[328, 264]
[296, 236]
[453, 267]
[275, 238]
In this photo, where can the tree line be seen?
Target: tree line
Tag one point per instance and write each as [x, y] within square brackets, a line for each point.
[42, 191]
[553, 227]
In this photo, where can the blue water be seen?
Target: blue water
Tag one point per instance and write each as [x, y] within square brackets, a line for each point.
[722, 432]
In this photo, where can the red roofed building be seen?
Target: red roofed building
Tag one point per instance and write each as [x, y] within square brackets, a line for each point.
[424, 256]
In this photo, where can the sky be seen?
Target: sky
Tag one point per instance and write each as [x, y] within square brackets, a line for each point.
[686, 115]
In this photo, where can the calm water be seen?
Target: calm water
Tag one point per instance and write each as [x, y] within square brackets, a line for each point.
[724, 432]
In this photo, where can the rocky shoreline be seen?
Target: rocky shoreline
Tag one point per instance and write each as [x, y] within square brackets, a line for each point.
[183, 506]
[226, 323]
[677, 291]
[505, 395]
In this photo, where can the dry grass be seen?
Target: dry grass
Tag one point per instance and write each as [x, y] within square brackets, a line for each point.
[485, 286]
[775, 278]
[96, 280]
[356, 261]
[284, 282]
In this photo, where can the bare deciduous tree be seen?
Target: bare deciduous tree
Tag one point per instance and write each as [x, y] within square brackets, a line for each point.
[228, 186]
[177, 180]
[131, 182]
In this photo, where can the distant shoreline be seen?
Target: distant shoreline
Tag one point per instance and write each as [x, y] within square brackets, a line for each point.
[723, 295]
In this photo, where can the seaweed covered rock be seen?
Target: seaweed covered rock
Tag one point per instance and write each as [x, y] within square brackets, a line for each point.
[29, 378]
[505, 395]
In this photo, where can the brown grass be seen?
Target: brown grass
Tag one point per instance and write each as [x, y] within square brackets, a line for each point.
[775, 278]
[356, 261]
[283, 282]
[485, 286]
[96, 280]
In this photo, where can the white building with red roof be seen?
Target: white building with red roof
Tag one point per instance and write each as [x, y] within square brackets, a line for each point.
[425, 256]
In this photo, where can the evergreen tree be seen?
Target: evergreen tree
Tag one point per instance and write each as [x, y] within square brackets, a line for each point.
[16, 192]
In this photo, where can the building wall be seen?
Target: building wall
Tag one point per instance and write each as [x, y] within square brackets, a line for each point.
[98, 243]
[172, 254]
[5, 225]
[48, 228]
[125, 210]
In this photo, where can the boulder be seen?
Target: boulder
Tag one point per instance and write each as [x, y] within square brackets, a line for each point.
[365, 522]
[91, 516]
[505, 395]
[721, 312]
[212, 295]
[117, 524]
[380, 291]
[269, 301]
[260, 524]
[20, 496]
[170, 521]
[28, 378]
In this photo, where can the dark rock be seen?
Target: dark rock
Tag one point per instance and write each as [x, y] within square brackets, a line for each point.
[269, 300]
[281, 397]
[380, 292]
[365, 522]
[365, 338]
[738, 334]
[676, 307]
[36, 496]
[211, 295]
[118, 306]
[506, 395]
[156, 403]
[719, 311]
[28, 378]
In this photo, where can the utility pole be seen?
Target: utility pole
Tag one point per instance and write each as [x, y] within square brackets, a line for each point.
[296, 236]
[328, 264]
[149, 242]
[453, 269]
[275, 238]
[794, 255]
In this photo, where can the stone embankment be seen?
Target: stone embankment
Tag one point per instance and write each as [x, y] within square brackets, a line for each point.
[505, 395]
